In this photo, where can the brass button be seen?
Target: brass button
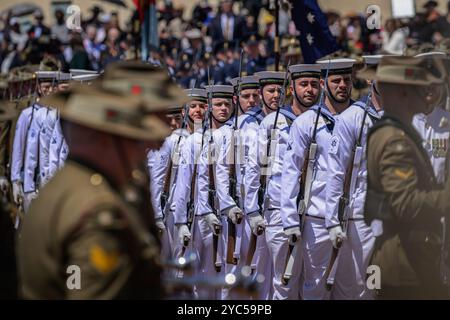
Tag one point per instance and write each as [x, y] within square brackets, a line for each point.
[96, 179]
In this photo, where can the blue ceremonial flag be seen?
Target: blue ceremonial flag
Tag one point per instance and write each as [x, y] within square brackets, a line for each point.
[315, 38]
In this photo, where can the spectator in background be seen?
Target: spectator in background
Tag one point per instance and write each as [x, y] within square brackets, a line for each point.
[38, 29]
[443, 26]
[80, 58]
[430, 24]
[9, 56]
[95, 17]
[15, 35]
[226, 26]
[113, 49]
[59, 29]
[200, 13]
[394, 36]
[92, 47]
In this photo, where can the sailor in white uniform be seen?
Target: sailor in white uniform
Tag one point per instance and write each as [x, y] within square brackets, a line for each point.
[163, 168]
[260, 204]
[24, 183]
[312, 129]
[348, 150]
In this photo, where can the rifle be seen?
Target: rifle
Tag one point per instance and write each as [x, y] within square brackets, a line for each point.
[305, 188]
[231, 244]
[348, 188]
[212, 187]
[264, 166]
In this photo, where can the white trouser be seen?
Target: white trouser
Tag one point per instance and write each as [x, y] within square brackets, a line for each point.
[203, 247]
[317, 249]
[167, 252]
[278, 246]
[261, 261]
[353, 260]
[28, 197]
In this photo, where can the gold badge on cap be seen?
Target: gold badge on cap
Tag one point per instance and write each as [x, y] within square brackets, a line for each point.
[103, 261]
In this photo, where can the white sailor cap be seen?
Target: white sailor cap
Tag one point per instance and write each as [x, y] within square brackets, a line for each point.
[433, 54]
[336, 66]
[63, 77]
[46, 75]
[304, 70]
[197, 94]
[221, 91]
[270, 77]
[79, 72]
[247, 82]
[85, 77]
[373, 59]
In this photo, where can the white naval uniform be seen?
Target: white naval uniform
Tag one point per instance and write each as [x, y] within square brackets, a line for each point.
[45, 139]
[315, 242]
[355, 252]
[38, 147]
[201, 234]
[434, 129]
[246, 121]
[58, 151]
[274, 236]
[19, 157]
[157, 164]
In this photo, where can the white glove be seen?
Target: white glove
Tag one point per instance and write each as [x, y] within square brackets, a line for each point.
[183, 233]
[212, 221]
[235, 214]
[4, 184]
[256, 223]
[336, 234]
[160, 224]
[17, 191]
[293, 234]
[33, 195]
[377, 227]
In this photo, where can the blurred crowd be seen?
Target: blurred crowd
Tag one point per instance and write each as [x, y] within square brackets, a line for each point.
[213, 36]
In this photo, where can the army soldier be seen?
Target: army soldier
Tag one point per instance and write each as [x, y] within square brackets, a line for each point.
[434, 128]
[346, 182]
[402, 189]
[313, 129]
[88, 221]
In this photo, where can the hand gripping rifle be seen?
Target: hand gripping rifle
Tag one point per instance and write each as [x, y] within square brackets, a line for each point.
[306, 181]
[264, 168]
[351, 175]
[231, 244]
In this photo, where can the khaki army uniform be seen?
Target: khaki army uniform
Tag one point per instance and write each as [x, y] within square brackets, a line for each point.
[82, 221]
[403, 193]
[84, 238]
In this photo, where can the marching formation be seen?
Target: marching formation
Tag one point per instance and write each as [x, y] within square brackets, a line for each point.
[280, 177]
[269, 176]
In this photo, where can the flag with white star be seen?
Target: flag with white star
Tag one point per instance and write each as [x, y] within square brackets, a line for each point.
[316, 39]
